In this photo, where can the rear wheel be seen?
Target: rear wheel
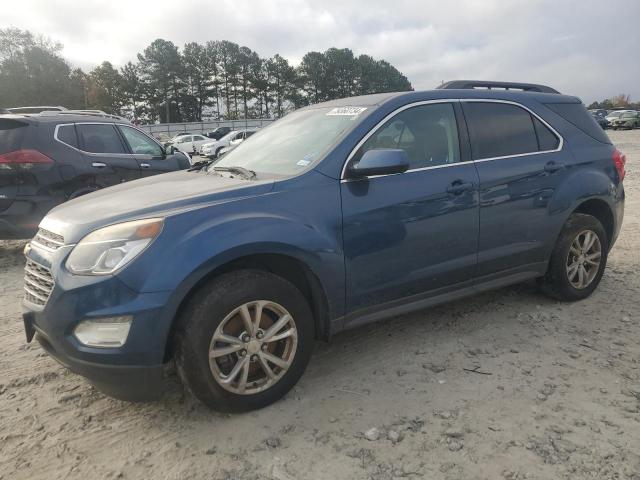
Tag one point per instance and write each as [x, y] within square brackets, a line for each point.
[578, 259]
[245, 340]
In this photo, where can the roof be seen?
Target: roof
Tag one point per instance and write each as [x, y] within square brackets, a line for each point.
[463, 89]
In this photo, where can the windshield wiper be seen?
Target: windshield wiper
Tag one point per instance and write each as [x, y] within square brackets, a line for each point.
[202, 164]
[243, 172]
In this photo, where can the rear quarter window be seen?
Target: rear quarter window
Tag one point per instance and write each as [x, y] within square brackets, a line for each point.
[577, 115]
[12, 133]
[67, 134]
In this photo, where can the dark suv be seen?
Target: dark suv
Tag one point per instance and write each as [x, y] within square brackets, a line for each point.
[218, 133]
[50, 157]
[339, 214]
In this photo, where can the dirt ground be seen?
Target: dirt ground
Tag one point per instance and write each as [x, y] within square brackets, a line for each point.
[504, 385]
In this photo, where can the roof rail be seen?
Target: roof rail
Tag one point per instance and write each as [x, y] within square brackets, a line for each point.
[35, 109]
[488, 84]
[89, 113]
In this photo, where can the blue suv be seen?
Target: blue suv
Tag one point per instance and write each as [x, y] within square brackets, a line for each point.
[337, 215]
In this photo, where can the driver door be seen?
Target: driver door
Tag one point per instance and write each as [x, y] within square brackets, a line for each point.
[150, 156]
[412, 235]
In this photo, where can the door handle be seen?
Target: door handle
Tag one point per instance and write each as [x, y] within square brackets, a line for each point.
[552, 167]
[98, 164]
[458, 187]
[145, 165]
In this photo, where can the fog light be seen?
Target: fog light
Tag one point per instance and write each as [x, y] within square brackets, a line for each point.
[103, 332]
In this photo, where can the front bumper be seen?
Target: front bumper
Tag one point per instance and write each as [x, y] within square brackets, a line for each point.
[131, 372]
[125, 382]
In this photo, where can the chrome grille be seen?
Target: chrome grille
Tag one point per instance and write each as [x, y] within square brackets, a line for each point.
[48, 239]
[38, 283]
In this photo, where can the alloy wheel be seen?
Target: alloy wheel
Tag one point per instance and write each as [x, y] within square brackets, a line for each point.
[583, 260]
[253, 347]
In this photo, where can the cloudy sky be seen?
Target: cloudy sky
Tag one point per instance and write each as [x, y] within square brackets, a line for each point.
[589, 48]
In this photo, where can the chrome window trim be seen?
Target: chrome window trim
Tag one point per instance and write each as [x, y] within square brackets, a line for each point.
[55, 137]
[379, 125]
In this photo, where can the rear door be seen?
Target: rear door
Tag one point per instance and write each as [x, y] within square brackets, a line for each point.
[107, 160]
[520, 164]
[149, 154]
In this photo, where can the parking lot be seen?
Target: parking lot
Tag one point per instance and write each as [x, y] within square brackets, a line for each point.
[508, 384]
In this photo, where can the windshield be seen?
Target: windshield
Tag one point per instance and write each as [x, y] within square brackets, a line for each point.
[615, 114]
[290, 145]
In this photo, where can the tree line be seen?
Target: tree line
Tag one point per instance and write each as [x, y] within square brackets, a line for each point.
[218, 79]
[619, 101]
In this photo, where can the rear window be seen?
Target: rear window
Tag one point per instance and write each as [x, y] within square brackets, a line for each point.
[99, 138]
[499, 130]
[11, 134]
[576, 114]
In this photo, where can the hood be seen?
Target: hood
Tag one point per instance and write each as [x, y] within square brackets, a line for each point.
[158, 195]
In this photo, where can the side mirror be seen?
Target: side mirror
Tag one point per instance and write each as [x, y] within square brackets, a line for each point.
[171, 149]
[380, 162]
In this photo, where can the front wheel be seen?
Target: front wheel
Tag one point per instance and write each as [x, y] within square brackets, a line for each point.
[244, 340]
[578, 259]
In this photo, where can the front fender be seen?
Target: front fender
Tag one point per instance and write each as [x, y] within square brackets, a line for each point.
[195, 243]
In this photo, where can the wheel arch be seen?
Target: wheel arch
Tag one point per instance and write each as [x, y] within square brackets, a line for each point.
[285, 266]
[601, 210]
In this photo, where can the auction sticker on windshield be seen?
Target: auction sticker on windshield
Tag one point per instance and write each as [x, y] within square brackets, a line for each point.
[349, 111]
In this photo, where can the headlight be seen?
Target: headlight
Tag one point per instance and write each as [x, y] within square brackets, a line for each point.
[109, 249]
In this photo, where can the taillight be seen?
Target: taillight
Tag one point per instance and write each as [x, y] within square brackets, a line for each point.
[619, 159]
[23, 158]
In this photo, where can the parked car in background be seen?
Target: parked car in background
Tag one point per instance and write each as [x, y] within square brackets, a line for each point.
[338, 214]
[600, 120]
[601, 112]
[628, 120]
[218, 133]
[50, 157]
[190, 143]
[175, 138]
[611, 116]
[213, 149]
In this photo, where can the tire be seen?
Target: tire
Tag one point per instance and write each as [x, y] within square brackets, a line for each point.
[217, 152]
[210, 311]
[560, 280]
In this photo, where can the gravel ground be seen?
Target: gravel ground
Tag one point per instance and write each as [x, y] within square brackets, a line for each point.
[508, 384]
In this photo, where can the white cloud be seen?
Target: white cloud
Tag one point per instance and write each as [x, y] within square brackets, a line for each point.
[588, 48]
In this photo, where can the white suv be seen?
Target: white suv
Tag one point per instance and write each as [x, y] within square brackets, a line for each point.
[212, 149]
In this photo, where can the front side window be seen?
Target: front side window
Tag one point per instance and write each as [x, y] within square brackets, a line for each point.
[428, 133]
[140, 143]
[99, 138]
[499, 130]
